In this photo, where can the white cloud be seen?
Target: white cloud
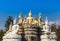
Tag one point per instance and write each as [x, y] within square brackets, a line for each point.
[54, 22]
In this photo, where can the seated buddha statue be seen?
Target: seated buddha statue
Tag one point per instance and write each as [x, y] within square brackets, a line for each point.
[25, 22]
[30, 19]
[13, 30]
[46, 27]
[34, 22]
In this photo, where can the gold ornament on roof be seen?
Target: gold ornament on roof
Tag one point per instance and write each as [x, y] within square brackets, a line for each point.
[30, 14]
[34, 22]
[40, 23]
[30, 18]
[20, 19]
[25, 22]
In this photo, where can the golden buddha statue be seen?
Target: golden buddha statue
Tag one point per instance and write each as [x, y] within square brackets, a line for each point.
[25, 22]
[30, 18]
[20, 19]
[40, 23]
[20, 31]
[34, 22]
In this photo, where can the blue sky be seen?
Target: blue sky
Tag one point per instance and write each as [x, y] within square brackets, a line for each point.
[49, 8]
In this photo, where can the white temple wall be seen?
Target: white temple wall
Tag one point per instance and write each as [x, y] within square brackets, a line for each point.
[12, 40]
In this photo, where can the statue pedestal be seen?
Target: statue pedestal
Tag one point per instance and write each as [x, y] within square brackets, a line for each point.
[45, 37]
[11, 39]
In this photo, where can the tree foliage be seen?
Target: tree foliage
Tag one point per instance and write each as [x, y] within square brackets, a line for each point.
[53, 27]
[58, 34]
[1, 34]
[8, 22]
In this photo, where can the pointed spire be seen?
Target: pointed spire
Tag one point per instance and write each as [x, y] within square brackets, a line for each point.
[30, 14]
[46, 21]
[40, 17]
[15, 21]
[40, 14]
[20, 15]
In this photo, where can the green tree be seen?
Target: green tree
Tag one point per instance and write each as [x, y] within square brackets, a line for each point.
[1, 34]
[8, 22]
[53, 27]
[58, 33]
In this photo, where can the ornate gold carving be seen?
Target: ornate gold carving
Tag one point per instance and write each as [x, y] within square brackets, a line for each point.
[25, 22]
[34, 21]
[20, 19]
[40, 23]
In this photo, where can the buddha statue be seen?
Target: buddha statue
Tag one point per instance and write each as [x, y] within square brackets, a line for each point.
[46, 27]
[13, 30]
[20, 19]
[40, 23]
[34, 22]
[15, 25]
[25, 22]
[10, 29]
[30, 18]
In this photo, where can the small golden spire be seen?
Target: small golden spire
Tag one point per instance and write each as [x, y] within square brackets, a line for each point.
[40, 17]
[40, 23]
[25, 21]
[30, 14]
[20, 19]
[20, 16]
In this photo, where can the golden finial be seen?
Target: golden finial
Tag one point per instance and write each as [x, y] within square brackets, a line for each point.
[40, 23]
[20, 19]
[20, 16]
[40, 15]
[30, 14]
